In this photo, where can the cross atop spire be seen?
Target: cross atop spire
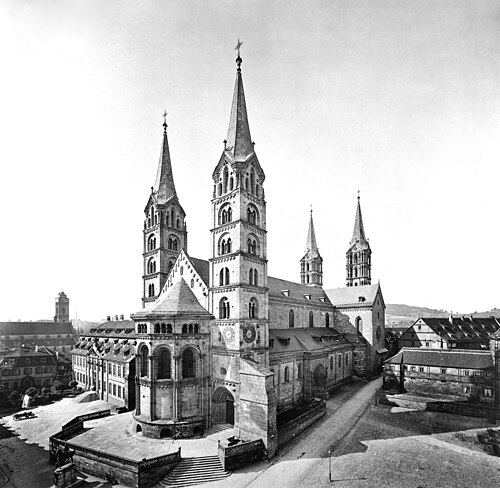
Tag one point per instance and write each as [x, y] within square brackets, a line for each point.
[239, 141]
[164, 187]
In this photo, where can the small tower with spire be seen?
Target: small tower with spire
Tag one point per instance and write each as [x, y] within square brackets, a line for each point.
[165, 232]
[358, 256]
[311, 265]
[62, 308]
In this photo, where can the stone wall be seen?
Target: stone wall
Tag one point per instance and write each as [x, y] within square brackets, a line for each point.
[241, 454]
[279, 313]
[289, 430]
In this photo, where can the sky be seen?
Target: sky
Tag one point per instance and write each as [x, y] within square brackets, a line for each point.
[397, 99]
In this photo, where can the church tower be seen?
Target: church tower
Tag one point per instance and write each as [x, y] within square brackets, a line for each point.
[165, 232]
[238, 263]
[311, 265]
[62, 308]
[359, 254]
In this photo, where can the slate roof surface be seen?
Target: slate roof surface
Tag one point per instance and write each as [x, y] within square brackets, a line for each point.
[111, 349]
[297, 291]
[178, 299]
[21, 351]
[463, 328]
[457, 358]
[35, 328]
[305, 339]
[349, 295]
[202, 266]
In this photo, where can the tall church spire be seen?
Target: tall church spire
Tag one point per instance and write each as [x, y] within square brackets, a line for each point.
[165, 231]
[358, 256]
[239, 142]
[164, 187]
[311, 265]
[358, 234]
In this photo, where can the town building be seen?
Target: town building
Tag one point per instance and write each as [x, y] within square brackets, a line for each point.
[465, 375]
[26, 367]
[104, 361]
[454, 332]
[58, 335]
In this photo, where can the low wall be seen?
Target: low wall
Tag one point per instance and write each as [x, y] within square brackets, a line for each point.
[241, 454]
[289, 430]
[466, 409]
[117, 469]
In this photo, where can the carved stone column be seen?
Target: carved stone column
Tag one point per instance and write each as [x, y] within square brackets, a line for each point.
[175, 389]
[152, 392]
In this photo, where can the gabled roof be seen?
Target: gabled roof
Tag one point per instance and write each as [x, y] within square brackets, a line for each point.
[297, 292]
[202, 267]
[465, 328]
[443, 358]
[177, 300]
[359, 296]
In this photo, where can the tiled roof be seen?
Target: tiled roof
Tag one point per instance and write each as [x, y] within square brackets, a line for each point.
[202, 267]
[305, 339]
[464, 328]
[22, 351]
[35, 328]
[456, 358]
[296, 291]
[350, 295]
[178, 299]
[107, 348]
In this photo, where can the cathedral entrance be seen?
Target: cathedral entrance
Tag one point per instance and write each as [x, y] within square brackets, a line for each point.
[222, 406]
[319, 379]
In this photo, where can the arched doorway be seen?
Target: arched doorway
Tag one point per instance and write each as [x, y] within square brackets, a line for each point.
[222, 406]
[27, 382]
[319, 379]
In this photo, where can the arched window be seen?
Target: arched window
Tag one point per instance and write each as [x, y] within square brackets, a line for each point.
[151, 290]
[170, 266]
[299, 371]
[252, 246]
[226, 275]
[327, 320]
[169, 328]
[291, 319]
[253, 308]
[190, 328]
[221, 277]
[228, 245]
[151, 242]
[359, 325]
[224, 308]
[347, 359]
[164, 364]
[151, 266]
[157, 328]
[192, 282]
[331, 363]
[225, 179]
[252, 181]
[167, 219]
[184, 328]
[169, 244]
[231, 183]
[355, 272]
[287, 374]
[188, 365]
[311, 319]
[163, 329]
[196, 328]
[229, 214]
[220, 189]
[144, 362]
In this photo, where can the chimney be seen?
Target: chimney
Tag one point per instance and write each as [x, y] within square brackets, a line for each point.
[450, 318]
[108, 318]
[121, 317]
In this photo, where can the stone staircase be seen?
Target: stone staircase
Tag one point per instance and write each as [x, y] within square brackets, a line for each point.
[195, 471]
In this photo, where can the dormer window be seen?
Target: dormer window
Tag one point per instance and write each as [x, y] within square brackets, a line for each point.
[286, 292]
[307, 297]
[322, 299]
[361, 299]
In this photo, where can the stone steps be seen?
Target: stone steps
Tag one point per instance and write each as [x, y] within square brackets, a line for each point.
[195, 471]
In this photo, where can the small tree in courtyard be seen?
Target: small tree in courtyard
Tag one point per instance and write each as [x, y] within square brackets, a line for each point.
[73, 384]
[31, 392]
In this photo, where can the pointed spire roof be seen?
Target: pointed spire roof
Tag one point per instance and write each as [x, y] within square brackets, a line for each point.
[311, 246]
[312, 251]
[239, 142]
[358, 234]
[164, 188]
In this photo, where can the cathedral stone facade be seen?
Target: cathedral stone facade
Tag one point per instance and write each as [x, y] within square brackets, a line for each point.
[218, 341]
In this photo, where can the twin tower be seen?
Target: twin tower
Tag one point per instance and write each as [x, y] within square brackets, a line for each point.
[239, 250]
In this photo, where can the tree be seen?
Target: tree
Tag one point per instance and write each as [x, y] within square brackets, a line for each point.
[73, 384]
[14, 396]
[31, 392]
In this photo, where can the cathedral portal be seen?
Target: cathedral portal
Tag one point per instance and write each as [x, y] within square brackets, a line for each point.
[222, 406]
